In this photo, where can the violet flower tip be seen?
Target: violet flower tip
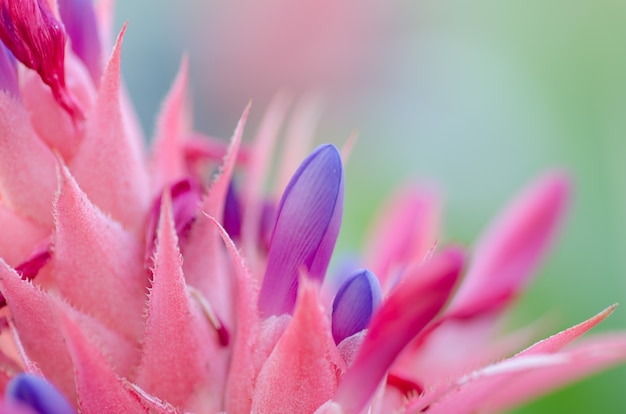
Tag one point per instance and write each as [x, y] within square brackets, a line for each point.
[37, 393]
[305, 230]
[356, 301]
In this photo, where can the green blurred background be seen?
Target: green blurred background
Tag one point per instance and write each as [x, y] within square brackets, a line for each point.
[478, 97]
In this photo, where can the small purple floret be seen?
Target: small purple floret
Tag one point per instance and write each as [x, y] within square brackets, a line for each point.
[8, 72]
[232, 212]
[307, 224]
[80, 23]
[37, 393]
[357, 299]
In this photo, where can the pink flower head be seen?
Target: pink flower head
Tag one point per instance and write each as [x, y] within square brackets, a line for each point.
[134, 281]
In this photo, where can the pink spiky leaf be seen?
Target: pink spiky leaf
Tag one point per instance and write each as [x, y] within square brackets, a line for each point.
[108, 166]
[97, 264]
[181, 362]
[106, 395]
[512, 248]
[304, 368]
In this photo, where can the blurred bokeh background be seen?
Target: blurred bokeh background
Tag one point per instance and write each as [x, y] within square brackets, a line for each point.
[477, 97]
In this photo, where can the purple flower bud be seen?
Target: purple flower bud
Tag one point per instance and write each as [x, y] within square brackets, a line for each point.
[357, 299]
[305, 231]
[79, 19]
[232, 212]
[8, 72]
[37, 393]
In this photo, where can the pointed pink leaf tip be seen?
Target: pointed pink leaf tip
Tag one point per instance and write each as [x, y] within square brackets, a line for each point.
[8, 72]
[186, 196]
[513, 247]
[305, 231]
[356, 301]
[37, 39]
[29, 268]
[410, 307]
[80, 23]
[35, 392]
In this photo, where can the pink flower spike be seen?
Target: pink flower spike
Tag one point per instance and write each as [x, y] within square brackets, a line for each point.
[37, 39]
[80, 23]
[305, 231]
[181, 361]
[512, 247]
[108, 166]
[403, 315]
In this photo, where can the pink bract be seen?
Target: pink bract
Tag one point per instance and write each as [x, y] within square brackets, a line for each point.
[127, 289]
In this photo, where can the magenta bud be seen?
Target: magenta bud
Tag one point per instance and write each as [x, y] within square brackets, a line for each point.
[37, 39]
[307, 224]
[356, 301]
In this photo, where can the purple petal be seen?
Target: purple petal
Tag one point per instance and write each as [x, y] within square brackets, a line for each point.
[8, 72]
[37, 393]
[80, 24]
[357, 299]
[306, 228]
[232, 212]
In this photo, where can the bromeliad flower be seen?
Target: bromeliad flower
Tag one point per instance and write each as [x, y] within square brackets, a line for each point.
[155, 286]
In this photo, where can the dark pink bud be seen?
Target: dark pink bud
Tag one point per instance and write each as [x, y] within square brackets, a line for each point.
[35, 392]
[356, 300]
[305, 231]
[37, 39]
[80, 23]
[186, 196]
